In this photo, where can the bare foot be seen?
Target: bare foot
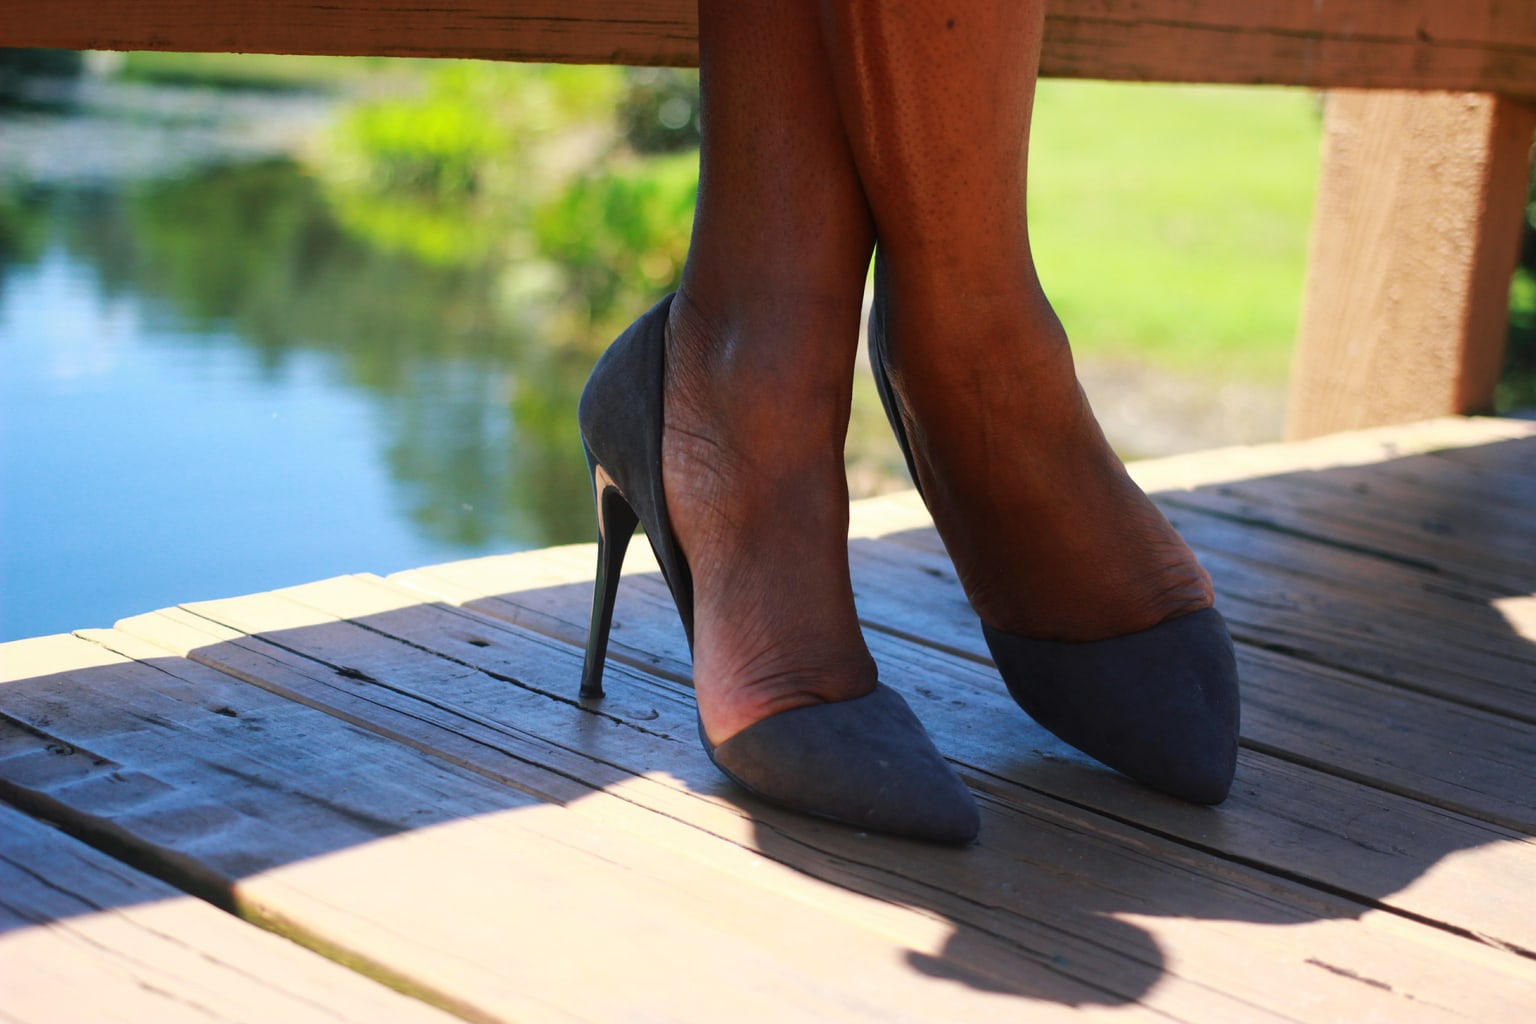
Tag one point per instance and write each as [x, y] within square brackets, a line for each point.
[752, 466]
[1051, 537]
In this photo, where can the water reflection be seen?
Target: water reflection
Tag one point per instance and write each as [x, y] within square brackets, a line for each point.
[211, 388]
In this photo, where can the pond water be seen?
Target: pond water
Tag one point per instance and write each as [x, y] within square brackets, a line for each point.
[207, 388]
[193, 413]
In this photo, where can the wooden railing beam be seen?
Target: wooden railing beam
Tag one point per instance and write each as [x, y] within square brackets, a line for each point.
[1470, 45]
[1415, 236]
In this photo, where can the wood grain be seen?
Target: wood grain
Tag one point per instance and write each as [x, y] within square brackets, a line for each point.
[464, 930]
[1481, 45]
[377, 609]
[84, 937]
[1415, 234]
[1306, 820]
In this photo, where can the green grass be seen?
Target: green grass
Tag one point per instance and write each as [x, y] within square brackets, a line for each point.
[1170, 224]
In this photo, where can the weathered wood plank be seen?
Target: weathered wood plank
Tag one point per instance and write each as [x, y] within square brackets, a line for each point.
[310, 825]
[1439, 538]
[1502, 474]
[1476, 45]
[1469, 655]
[1459, 437]
[84, 937]
[1456, 534]
[956, 700]
[1520, 475]
[1303, 822]
[381, 610]
[1434, 751]
[1415, 235]
[1359, 568]
[1330, 45]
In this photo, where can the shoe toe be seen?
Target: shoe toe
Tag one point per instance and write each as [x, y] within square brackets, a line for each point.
[1160, 706]
[866, 762]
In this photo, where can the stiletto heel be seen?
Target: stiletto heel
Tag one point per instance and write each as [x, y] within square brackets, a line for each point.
[865, 762]
[616, 523]
[1160, 705]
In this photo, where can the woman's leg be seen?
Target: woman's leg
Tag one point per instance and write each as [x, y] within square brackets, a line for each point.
[1050, 536]
[762, 338]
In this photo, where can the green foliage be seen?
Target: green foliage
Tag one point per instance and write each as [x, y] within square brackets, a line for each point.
[423, 176]
[620, 232]
[517, 167]
[660, 110]
[1517, 385]
[450, 175]
[23, 226]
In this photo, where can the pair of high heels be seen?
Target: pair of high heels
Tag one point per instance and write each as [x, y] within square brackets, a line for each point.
[865, 762]
[1160, 705]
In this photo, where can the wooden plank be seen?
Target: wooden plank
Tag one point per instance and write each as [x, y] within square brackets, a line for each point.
[1448, 436]
[1415, 234]
[1457, 539]
[1463, 534]
[1322, 613]
[1480, 45]
[1490, 458]
[1434, 750]
[84, 937]
[887, 577]
[514, 909]
[379, 610]
[1411, 45]
[557, 603]
[1059, 907]
[358, 907]
[1293, 592]
[1502, 474]
[1288, 819]
[1365, 567]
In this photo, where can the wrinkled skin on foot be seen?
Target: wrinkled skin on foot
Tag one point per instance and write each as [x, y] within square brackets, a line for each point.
[753, 470]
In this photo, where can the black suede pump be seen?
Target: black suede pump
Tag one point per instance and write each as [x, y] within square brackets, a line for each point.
[866, 762]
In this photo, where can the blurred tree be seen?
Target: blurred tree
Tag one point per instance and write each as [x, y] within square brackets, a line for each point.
[660, 109]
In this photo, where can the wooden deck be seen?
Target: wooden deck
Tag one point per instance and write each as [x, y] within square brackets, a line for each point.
[396, 773]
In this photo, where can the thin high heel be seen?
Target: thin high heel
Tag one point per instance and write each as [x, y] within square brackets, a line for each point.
[865, 762]
[616, 523]
[1160, 705]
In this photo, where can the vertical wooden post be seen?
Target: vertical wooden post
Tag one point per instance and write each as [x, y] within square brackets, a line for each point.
[1414, 239]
